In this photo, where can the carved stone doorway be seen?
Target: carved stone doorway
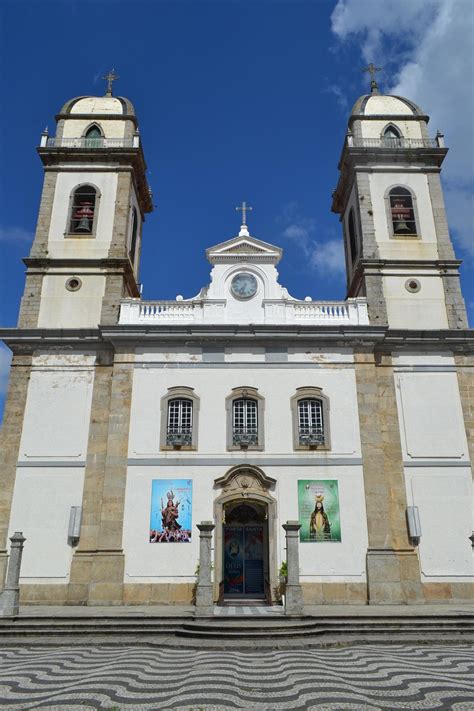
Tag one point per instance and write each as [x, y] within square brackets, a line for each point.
[245, 540]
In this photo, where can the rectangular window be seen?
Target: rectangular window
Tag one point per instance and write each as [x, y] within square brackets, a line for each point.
[244, 422]
[180, 423]
[310, 422]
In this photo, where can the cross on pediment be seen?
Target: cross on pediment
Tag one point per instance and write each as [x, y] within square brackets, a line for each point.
[244, 208]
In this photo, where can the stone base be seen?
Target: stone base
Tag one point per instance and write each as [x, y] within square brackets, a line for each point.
[9, 603]
[97, 578]
[439, 593]
[334, 593]
[158, 593]
[293, 600]
[44, 594]
[393, 577]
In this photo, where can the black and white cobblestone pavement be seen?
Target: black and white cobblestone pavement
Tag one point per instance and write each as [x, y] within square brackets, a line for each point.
[141, 677]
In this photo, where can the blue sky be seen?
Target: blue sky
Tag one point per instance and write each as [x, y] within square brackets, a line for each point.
[237, 100]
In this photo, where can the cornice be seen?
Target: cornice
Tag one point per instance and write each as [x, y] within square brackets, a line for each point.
[372, 338]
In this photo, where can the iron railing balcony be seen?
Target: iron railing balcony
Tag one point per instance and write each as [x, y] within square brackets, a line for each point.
[394, 143]
[179, 436]
[91, 144]
[245, 436]
[311, 435]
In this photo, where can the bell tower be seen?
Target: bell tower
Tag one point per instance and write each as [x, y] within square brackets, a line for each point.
[390, 200]
[86, 252]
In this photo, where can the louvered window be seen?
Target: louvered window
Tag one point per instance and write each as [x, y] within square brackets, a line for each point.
[310, 422]
[245, 422]
[179, 432]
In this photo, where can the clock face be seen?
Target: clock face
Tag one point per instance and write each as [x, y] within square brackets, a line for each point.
[244, 286]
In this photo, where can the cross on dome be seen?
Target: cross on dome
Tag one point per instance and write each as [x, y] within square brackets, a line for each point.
[110, 78]
[371, 68]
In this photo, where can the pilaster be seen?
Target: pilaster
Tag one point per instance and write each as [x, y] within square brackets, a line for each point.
[98, 564]
[465, 371]
[10, 437]
[393, 572]
[455, 306]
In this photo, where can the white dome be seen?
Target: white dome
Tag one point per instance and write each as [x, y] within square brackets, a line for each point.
[97, 105]
[112, 105]
[385, 105]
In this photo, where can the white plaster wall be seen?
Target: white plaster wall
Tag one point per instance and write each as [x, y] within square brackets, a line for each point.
[82, 247]
[430, 414]
[166, 562]
[445, 500]
[375, 129]
[74, 128]
[213, 385]
[424, 309]
[380, 183]
[42, 501]
[61, 308]
[57, 414]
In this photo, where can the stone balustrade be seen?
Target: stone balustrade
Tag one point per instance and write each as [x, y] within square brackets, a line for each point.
[351, 312]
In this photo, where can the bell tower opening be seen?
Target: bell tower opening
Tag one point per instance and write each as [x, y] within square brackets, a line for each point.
[245, 550]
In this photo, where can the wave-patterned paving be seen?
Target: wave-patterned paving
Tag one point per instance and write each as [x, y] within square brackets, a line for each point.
[357, 677]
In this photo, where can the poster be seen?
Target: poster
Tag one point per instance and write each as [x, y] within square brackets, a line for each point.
[171, 510]
[318, 507]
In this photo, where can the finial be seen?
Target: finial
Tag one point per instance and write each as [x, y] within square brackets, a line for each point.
[371, 68]
[110, 78]
[244, 208]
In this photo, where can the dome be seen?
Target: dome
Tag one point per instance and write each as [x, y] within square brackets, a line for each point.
[385, 105]
[112, 105]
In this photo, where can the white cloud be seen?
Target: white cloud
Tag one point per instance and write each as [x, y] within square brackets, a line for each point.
[429, 45]
[323, 256]
[15, 234]
[5, 360]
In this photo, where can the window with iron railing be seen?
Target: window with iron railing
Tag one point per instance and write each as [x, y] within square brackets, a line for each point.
[179, 431]
[245, 422]
[310, 422]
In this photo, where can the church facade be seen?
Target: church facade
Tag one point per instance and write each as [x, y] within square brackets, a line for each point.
[129, 422]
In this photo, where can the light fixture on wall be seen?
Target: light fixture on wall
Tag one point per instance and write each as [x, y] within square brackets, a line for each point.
[414, 525]
[74, 530]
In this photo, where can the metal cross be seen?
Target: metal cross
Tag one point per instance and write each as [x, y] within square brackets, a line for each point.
[244, 208]
[371, 68]
[110, 78]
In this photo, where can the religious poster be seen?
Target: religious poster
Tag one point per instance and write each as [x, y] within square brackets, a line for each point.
[171, 510]
[318, 506]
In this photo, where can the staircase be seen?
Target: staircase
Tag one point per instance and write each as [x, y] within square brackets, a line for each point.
[239, 631]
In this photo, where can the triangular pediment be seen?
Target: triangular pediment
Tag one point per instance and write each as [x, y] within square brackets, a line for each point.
[244, 248]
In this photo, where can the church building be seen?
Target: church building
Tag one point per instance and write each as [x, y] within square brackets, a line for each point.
[128, 422]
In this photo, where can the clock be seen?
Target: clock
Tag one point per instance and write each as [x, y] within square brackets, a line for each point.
[243, 286]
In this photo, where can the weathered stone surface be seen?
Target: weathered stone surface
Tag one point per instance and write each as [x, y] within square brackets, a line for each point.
[10, 437]
[392, 566]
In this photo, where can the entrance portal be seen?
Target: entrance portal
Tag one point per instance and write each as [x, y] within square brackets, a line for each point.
[245, 550]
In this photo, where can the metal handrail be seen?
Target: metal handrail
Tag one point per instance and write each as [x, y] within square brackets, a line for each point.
[90, 143]
[395, 142]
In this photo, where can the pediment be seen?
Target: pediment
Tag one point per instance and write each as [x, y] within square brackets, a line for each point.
[244, 248]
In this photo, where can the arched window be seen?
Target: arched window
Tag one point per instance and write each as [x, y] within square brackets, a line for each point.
[93, 137]
[179, 419]
[392, 136]
[244, 422]
[310, 411]
[245, 419]
[402, 212]
[310, 421]
[352, 236]
[179, 430]
[133, 240]
[83, 210]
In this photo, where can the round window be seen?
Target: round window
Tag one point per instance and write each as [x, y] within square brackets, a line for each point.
[412, 285]
[73, 284]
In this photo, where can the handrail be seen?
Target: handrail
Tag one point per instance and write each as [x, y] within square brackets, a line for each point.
[91, 143]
